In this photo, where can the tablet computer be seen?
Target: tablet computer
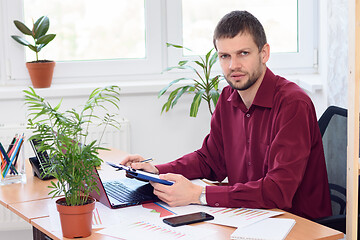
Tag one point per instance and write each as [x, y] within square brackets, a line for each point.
[141, 175]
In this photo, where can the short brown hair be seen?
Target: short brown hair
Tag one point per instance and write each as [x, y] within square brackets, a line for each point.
[237, 22]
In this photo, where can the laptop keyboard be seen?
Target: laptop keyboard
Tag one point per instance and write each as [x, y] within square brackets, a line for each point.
[122, 193]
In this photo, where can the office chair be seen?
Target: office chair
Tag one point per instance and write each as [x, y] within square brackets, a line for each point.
[333, 128]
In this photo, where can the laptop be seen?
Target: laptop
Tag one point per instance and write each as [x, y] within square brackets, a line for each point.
[123, 192]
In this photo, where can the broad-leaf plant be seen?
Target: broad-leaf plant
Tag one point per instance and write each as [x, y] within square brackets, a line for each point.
[38, 34]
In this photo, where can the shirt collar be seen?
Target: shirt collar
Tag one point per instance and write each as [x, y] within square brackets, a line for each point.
[264, 96]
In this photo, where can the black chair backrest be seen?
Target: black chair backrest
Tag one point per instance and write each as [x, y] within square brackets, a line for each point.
[333, 128]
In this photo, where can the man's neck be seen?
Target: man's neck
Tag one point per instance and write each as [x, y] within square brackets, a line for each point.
[249, 94]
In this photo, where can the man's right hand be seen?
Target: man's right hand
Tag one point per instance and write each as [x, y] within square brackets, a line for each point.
[134, 161]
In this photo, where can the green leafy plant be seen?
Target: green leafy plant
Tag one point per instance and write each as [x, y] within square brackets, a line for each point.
[38, 33]
[64, 135]
[203, 86]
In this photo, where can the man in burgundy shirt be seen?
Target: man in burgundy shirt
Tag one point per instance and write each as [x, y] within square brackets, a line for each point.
[264, 136]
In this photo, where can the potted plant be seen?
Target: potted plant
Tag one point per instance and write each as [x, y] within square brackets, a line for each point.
[204, 86]
[41, 71]
[64, 135]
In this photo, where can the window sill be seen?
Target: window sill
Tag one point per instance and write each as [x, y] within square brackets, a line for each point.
[82, 89]
[310, 83]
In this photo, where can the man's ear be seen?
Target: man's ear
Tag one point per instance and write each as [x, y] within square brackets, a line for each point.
[265, 53]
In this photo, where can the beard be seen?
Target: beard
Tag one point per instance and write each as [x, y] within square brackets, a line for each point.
[252, 78]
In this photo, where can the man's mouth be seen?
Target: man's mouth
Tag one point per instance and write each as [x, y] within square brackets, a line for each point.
[237, 76]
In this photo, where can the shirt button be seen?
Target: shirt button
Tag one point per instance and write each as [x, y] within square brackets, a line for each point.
[217, 204]
[249, 163]
[248, 115]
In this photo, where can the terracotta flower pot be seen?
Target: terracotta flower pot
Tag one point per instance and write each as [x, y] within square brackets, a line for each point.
[76, 221]
[41, 73]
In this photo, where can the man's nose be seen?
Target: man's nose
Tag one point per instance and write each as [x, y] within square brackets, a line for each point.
[235, 63]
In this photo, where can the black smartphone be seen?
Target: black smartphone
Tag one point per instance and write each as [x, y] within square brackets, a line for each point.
[188, 219]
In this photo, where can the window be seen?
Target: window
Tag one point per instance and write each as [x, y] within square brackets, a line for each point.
[89, 30]
[288, 25]
[114, 39]
[87, 61]
[280, 26]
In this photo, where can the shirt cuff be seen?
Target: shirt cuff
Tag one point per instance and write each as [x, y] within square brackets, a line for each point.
[217, 196]
[164, 168]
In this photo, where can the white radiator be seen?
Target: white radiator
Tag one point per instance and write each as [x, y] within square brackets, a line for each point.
[113, 138]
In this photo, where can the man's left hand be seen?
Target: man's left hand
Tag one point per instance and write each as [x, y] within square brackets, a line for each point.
[182, 192]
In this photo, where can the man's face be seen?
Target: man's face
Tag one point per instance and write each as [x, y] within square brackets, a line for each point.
[241, 61]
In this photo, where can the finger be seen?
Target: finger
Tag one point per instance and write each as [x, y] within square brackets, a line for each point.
[161, 187]
[138, 165]
[161, 195]
[147, 167]
[130, 159]
[170, 177]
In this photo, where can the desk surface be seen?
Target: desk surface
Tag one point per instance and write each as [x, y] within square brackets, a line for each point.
[30, 200]
[303, 229]
[33, 189]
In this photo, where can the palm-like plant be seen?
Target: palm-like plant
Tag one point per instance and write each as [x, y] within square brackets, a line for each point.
[64, 136]
[204, 86]
[38, 33]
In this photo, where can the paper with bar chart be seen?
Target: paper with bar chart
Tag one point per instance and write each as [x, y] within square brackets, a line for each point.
[154, 229]
[240, 217]
[234, 217]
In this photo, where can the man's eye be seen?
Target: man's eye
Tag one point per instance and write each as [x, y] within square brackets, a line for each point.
[244, 53]
[224, 56]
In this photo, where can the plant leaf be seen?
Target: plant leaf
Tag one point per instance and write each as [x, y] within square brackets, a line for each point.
[169, 102]
[180, 93]
[22, 28]
[20, 40]
[214, 96]
[199, 63]
[45, 39]
[39, 47]
[196, 103]
[207, 56]
[177, 46]
[41, 27]
[33, 48]
[213, 59]
[182, 63]
[162, 91]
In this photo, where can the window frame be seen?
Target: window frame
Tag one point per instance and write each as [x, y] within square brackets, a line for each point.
[163, 23]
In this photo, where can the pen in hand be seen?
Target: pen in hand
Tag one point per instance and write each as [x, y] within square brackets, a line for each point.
[147, 160]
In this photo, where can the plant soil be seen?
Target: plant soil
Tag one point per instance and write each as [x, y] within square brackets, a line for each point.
[63, 203]
[41, 61]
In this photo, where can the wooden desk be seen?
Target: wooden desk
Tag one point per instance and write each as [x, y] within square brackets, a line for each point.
[303, 229]
[30, 200]
[32, 189]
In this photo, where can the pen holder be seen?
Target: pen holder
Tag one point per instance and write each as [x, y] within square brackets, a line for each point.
[13, 166]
